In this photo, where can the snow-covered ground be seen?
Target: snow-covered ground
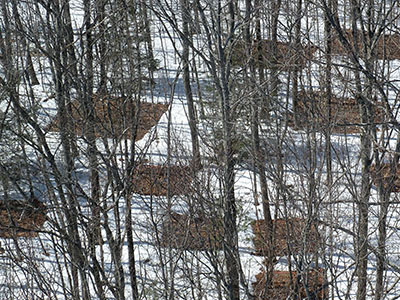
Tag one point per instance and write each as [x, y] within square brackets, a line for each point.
[44, 267]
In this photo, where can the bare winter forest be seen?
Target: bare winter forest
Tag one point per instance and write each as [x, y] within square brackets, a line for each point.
[199, 149]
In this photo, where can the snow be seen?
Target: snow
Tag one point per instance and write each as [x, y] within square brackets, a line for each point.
[42, 254]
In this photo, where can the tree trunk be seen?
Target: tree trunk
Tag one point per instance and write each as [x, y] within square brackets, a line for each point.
[186, 81]
[133, 100]
[90, 113]
[259, 157]
[365, 155]
[297, 69]
[230, 229]
[328, 95]
[71, 212]
[384, 189]
[274, 73]
[100, 8]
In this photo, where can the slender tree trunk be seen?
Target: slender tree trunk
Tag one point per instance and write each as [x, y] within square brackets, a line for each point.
[274, 73]
[384, 189]
[259, 157]
[297, 69]
[384, 195]
[29, 69]
[186, 81]
[230, 229]
[362, 242]
[71, 212]
[133, 101]
[90, 112]
[100, 8]
[149, 46]
[70, 59]
[328, 95]
[129, 226]
[365, 157]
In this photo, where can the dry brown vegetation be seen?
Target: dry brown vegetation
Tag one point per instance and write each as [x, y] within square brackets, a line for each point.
[114, 117]
[290, 237]
[385, 174]
[312, 110]
[192, 233]
[156, 180]
[288, 57]
[387, 47]
[285, 284]
[21, 219]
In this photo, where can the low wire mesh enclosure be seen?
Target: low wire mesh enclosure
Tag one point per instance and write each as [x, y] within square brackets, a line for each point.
[288, 55]
[387, 47]
[162, 180]
[113, 117]
[292, 285]
[388, 176]
[290, 236]
[192, 233]
[21, 219]
[343, 116]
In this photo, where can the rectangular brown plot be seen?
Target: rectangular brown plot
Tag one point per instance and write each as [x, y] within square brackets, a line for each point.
[387, 47]
[156, 180]
[385, 174]
[114, 117]
[197, 233]
[21, 219]
[286, 284]
[312, 109]
[290, 237]
[287, 57]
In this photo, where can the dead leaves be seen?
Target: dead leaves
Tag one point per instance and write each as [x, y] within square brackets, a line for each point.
[21, 219]
[113, 117]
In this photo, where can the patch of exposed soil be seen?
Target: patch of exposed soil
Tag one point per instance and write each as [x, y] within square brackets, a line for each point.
[385, 174]
[153, 180]
[287, 239]
[286, 284]
[387, 47]
[197, 233]
[312, 110]
[114, 117]
[288, 57]
[21, 219]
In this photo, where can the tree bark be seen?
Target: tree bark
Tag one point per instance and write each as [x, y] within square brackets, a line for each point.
[196, 163]
[365, 157]
[230, 229]
[256, 82]
[297, 70]
[274, 74]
